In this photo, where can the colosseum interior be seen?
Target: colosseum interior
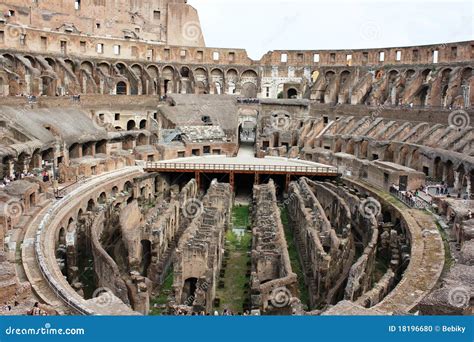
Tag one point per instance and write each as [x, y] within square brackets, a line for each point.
[143, 173]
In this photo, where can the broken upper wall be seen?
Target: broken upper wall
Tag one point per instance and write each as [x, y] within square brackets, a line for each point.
[151, 20]
[184, 28]
[426, 54]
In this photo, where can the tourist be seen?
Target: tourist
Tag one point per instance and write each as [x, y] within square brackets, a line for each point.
[6, 308]
[35, 311]
[45, 176]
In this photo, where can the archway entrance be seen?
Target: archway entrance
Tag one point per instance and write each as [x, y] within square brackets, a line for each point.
[292, 93]
[121, 88]
[146, 257]
[189, 289]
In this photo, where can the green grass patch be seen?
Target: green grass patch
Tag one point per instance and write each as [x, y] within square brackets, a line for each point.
[294, 258]
[235, 290]
[448, 258]
[240, 216]
[162, 298]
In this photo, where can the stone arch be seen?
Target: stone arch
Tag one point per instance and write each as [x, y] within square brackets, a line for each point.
[137, 69]
[350, 147]
[128, 188]
[115, 191]
[185, 72]
[409, 74]
[364, 146]
[88, 148]
[421, 97]
[249, 75]
[142, 139]
[154, 73]
[415, 162]
[389, 154]
[437, 168]
[292, 93]
[329, 75]
[217, 77]
[102, 199]
[466, 76]
[75, 151]
[104, 67]
[87, 66]
[9, 60]
[48, 85]
[51, 62]
[446, 75]
[232, 78]
[154, 139]
[128, 143]
[61, 240]
[403, 156]
[168, 75]
[120, 68]
[460, 178]
[35, 161]
[71, 65]
[146, 251]
[121, 88]
[344, 77]
[131, 125]
[31, 59]
[90, 205]
[449, 173]
[101, 147]
[201, 81]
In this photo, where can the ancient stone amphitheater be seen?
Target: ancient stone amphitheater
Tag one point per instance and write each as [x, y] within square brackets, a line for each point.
[145, 173]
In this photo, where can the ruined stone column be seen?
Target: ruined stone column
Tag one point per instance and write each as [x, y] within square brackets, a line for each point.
[457, 182]
[469, 187]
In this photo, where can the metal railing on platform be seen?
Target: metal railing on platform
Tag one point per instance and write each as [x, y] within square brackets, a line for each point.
[241, 168]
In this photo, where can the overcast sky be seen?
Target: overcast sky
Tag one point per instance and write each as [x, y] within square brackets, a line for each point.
[263, 25]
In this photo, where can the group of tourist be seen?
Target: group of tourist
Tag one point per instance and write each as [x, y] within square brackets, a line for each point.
[225, 312]
[16, 176]
[34, 311]
[248, 101]
[21, 175]
[442, 189]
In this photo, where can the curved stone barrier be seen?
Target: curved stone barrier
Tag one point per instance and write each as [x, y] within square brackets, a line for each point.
[426, 255]
[45, 239]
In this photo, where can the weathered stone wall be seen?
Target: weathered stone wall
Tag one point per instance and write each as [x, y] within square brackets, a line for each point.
[271, 268]
[323, 237]
[156, 21]
[105, 268]
[199, 254]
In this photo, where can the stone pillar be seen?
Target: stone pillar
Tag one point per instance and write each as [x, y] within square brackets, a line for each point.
[469, 186]
[457, 182]
[10, 168]
[37, 161]
[26, 164]
[445, 174]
